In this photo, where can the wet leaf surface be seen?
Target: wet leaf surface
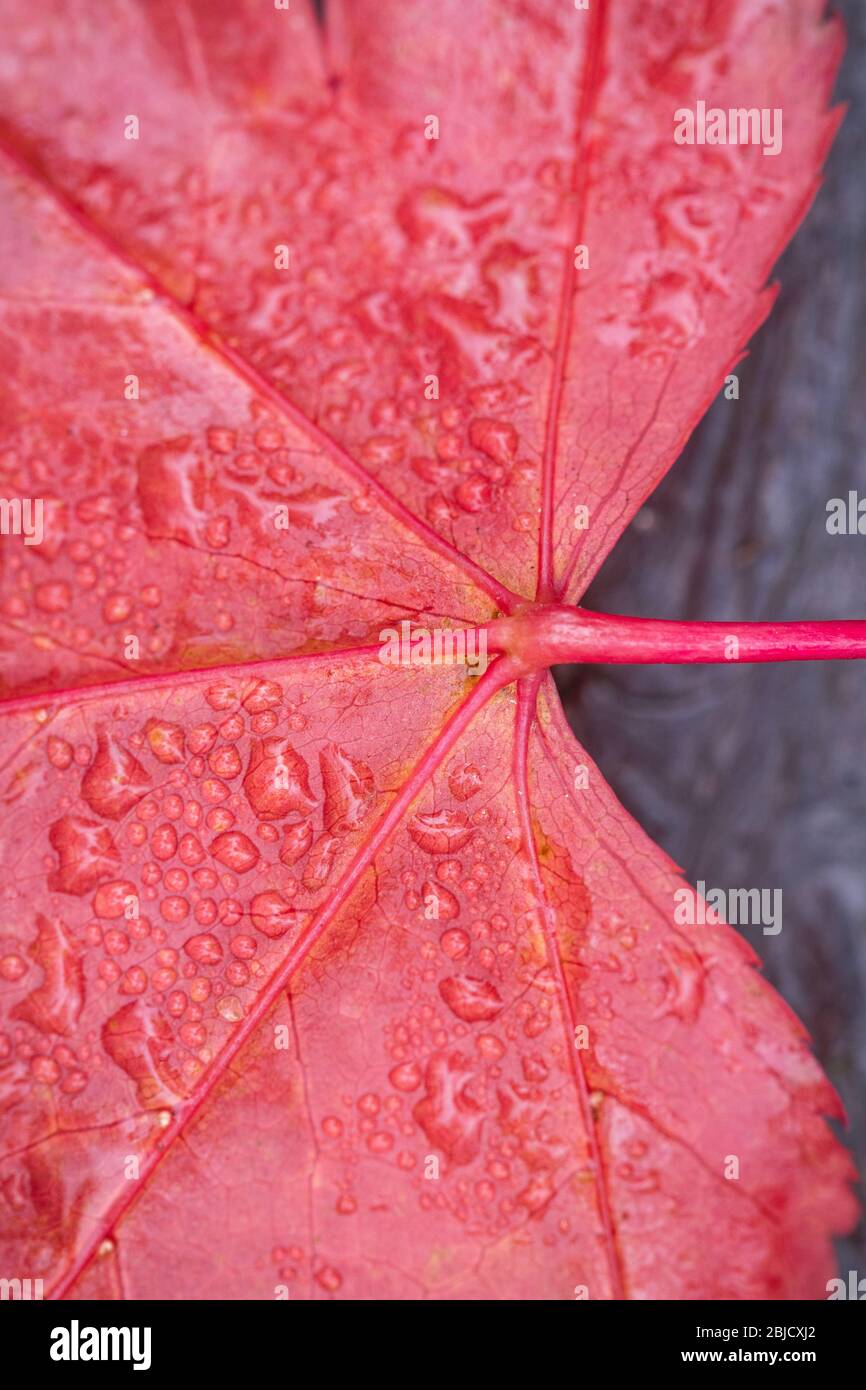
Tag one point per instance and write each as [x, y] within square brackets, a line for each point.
[323, 976]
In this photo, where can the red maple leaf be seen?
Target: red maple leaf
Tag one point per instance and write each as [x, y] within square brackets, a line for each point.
[330, 965]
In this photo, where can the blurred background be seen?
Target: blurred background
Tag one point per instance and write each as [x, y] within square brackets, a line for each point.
[753, 776]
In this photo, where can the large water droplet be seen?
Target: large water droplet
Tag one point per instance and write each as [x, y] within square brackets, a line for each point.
[277, 780]
[441, 832]
[472, 1000]
[448, 1114]
[55, 1005]
[115, 781]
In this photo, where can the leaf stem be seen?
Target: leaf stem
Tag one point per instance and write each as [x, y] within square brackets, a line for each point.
[548, 635]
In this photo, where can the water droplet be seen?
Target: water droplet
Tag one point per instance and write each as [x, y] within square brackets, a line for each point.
[296, 841]
[455, 943]
[683, 983]
[538, 1193]
[448, 1114]
[115, 781]
[110, 900]
[236, 851]
[59, 752]
[166, 740]
[44, 1070]
[464, 781]
[138, 1038]
[117, 608]
[348, 786]
[230, 1008]
[277, 780]
[438, 902]
[406, 1077]
[329, 1278]
[190, 850]
[313, 508]
[202, 738]
[134, 981]
[263, 696]
[13, 968]
[221, 695]
[321, 862]
[474, 494]
[174, 908]
[55, 1005]
[490, 1047]
[53, 597]
[269, 438]
[204, 949]
[441, 832]
[472, 1000]
[272, 914]
[534, 1068]
[221, 440]
[382, 449]
[163, 842]
[225, 762]
[495, 438]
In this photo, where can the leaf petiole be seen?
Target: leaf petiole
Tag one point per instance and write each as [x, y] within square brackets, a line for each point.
[545, 635]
